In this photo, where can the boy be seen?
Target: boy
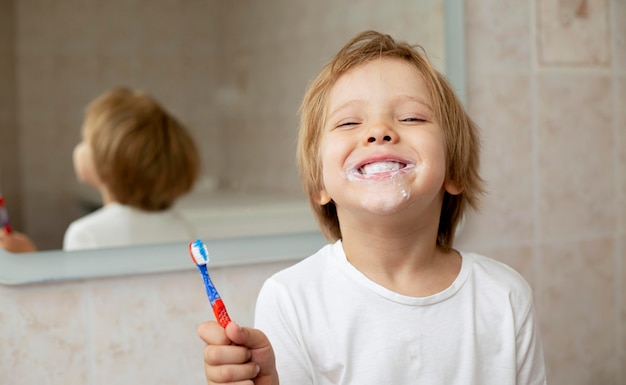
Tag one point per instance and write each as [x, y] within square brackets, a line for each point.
[140, 159]
[389, 160]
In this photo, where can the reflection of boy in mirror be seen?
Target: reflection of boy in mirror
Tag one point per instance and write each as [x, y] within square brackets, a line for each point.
[140, 159]
[389, 160]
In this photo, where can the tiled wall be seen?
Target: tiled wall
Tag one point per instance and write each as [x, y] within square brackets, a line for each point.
[118, 331]
[547, 84]
[553, 117]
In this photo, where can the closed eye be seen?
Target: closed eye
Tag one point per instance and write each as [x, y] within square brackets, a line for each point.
[415, 120]
[347, 124]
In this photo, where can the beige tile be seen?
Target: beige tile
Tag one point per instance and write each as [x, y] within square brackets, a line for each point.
[619, 35]
[573, 32]
[498, 34]
[620, 112]
[500, 104]
[621, 317]
[118, 330]
[576, 308]
[520, 258]
[34, 27]
[73, 28]
[115, 27]
[140, 323]
[576, 153]
[621, 128]
[44, 335]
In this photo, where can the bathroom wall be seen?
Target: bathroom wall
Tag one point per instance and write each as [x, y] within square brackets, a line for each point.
[547, 85]
[117, 331]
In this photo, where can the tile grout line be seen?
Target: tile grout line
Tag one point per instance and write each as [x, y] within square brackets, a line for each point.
[618, 182]
[533, 94]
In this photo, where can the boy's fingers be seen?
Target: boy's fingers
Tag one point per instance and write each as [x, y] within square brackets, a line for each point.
[261, 352]
[250, 338]
[237, 354]
[231, 373]
[213, 334]
[226, 354]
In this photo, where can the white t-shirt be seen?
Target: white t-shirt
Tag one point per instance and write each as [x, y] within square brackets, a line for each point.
[330, 324]
[119, 225]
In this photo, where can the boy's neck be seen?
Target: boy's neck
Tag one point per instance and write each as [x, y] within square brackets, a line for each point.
[107, 197]
[408, 263]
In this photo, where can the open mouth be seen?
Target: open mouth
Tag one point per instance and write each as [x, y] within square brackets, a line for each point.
[380, 167]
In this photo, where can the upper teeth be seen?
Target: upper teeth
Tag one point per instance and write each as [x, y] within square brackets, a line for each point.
[373, 168]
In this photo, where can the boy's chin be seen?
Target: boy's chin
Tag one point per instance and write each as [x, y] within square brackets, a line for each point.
[385, 203]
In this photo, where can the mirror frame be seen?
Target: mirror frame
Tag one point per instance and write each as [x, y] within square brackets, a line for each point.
[58, 265]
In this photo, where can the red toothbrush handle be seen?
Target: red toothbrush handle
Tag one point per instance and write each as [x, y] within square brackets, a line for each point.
[221, 315]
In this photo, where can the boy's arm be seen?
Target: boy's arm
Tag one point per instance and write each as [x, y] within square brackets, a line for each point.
[237, 354]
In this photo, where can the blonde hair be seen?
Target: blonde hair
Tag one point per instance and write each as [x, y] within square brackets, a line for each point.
[461, 133]
[144, 156]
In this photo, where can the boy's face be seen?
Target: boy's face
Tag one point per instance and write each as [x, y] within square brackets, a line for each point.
[84, 165]
[381, 149]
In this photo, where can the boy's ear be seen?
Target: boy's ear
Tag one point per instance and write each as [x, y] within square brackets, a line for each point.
[452, 187]
[323, 197]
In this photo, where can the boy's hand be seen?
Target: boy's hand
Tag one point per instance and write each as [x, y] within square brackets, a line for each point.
[16, 242]
[237, 355]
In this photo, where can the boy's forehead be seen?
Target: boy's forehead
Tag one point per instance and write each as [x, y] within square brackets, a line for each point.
[364, 78]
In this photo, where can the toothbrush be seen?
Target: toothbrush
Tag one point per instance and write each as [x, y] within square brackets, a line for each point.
[4, 216]
[200, 256]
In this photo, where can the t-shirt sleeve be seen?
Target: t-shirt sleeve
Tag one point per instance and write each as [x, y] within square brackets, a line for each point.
[76, 238]
[276, 316]
[530, 360]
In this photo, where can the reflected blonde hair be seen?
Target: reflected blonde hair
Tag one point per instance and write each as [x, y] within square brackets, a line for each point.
[461, 133]
[144, 156]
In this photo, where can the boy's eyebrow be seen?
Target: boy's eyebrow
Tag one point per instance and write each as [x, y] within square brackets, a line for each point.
[421, 101]
[344, 105]
[357, 102]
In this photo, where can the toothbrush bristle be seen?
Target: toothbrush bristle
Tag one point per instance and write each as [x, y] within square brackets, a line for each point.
[199, 253]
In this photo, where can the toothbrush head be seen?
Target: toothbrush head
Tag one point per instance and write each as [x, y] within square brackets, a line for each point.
[198, 252]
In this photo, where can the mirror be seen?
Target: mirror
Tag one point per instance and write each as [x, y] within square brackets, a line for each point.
[237, 89]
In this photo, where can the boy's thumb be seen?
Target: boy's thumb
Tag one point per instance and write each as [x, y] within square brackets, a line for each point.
[248, 337]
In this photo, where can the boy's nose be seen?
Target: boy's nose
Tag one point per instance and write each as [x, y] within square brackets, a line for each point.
[385, 138]
[381, 134]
